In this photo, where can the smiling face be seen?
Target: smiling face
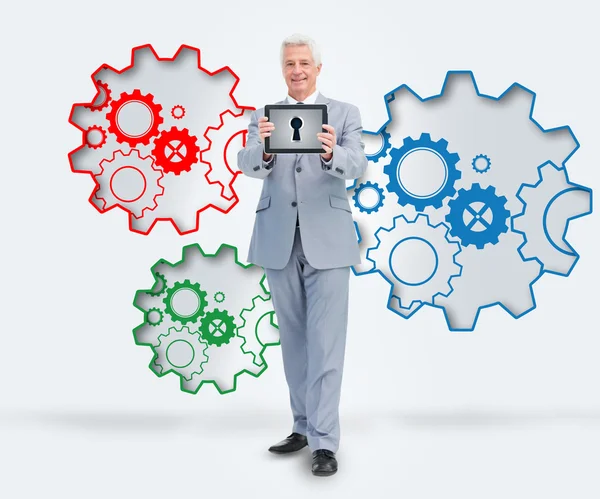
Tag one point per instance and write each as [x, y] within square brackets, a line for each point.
[300, 71]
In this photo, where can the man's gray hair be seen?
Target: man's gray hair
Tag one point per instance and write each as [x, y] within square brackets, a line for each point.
[298, 39]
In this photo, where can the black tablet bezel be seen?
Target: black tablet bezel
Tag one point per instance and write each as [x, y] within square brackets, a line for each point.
[270, 107]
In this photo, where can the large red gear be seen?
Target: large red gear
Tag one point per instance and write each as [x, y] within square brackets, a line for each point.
[135, 97]
[167, 148]
[85, 159]
[104, 93]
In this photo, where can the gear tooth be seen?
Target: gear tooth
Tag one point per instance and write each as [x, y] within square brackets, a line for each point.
[444, 143]
[425, 137]
[525, 193]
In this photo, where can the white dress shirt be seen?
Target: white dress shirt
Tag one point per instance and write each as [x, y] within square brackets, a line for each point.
[309, 100]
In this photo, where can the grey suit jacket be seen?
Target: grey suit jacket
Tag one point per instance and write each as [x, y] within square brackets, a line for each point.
[301, 185]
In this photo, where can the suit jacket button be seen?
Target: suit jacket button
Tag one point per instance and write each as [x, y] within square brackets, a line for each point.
[294, 203]
[298, 169]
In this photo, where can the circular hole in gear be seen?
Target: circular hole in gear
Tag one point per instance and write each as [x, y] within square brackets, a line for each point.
[422, 173]
[373, 143]
[413, 261]
[480, 164]
[368, 197]
[217, 328]
[266, 333]
[153, 317]
[175, 151]
[94, 137]
[236, 142]
[185, 302]
[479, 219]
[180, 353]
[134, 119]
[128, 184]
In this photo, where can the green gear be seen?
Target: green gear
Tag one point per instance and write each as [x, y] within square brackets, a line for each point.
[219, 297]
[195, 288]
[159, 285]
[220, 322]
[160, 316]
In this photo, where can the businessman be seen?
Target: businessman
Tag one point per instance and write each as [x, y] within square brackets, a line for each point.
[304, 237]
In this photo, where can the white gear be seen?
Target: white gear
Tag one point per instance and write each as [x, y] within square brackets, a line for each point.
[113, 178]
[425, 241]
[504, 131]
[256, 334]
[549, 205]
[181, 351]
[220, 272]
[203, 95]
[219, 156]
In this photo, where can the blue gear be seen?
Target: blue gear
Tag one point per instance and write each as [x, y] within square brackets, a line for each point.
[488, 163]
[385, 147]
[424, 142]
[491, 201]
[362, 187]
[352, 185]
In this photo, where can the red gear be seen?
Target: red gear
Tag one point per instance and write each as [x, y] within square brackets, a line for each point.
[96, 145]
[124, 99]
[180, 114]
[183, 139]
[104, 90]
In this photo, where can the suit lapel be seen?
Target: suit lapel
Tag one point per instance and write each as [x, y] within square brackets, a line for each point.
[321, 99]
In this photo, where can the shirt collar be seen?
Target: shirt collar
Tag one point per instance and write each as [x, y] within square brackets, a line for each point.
[309, 100]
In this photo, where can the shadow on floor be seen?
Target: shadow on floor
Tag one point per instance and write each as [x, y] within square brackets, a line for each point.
[475, 417]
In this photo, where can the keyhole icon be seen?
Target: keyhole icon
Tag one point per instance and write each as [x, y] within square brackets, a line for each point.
[296, 123]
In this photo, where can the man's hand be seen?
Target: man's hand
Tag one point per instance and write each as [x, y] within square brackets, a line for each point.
[264, 130]
[328, 139]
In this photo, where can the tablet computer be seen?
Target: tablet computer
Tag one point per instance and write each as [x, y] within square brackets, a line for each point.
[296, 128]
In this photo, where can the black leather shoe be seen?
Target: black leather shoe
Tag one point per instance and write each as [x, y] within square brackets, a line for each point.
[324, 462]
[292, 443]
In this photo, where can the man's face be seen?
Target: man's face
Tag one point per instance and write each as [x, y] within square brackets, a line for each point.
[299, 70]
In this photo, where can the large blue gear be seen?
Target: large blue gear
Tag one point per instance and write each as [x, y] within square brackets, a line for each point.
[462, 203]
[362, 187]
[385, 146]
[424, 142]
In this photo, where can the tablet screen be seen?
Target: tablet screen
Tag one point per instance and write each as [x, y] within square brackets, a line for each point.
[296, 128]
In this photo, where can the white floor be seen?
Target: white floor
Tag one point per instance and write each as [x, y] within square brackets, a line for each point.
[478, 454]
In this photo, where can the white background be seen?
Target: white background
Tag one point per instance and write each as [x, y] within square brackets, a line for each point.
[510, 410]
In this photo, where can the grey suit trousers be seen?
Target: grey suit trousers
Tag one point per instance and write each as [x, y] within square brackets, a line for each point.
[312, 313]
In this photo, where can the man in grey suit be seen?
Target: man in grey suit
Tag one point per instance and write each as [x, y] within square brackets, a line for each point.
[304, 237]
